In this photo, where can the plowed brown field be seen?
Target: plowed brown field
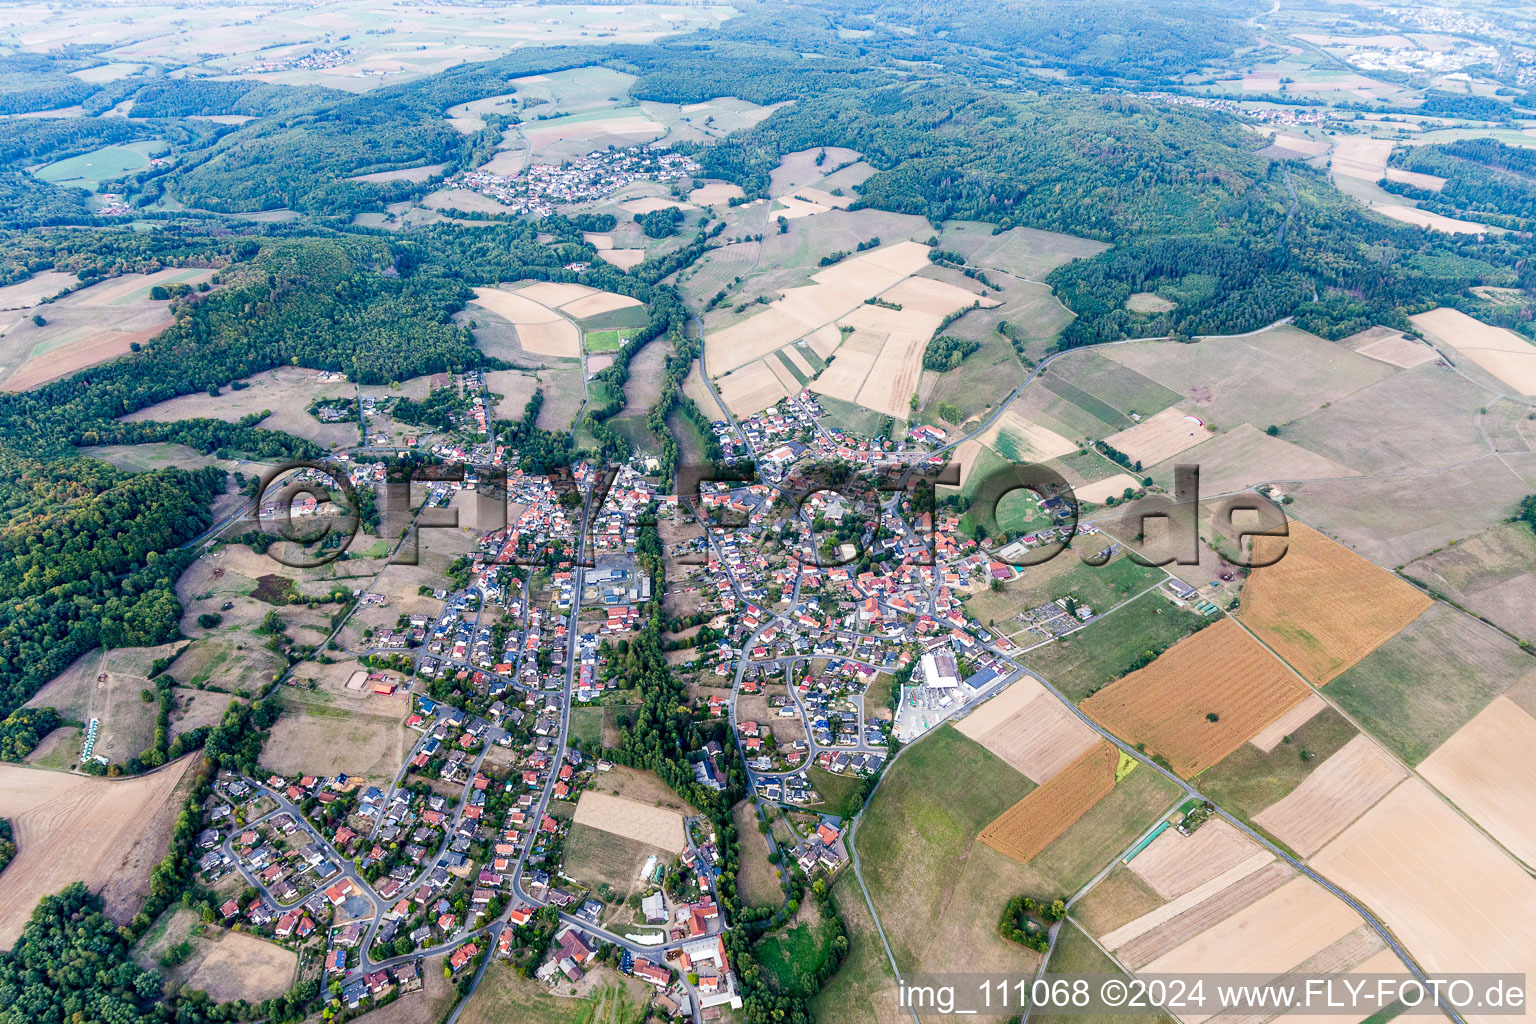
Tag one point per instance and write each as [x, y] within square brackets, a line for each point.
[1219, 671]
[1033, 823]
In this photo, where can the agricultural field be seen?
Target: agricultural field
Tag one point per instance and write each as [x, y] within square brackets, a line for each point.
[1030, 729]
[1200, 700]
[1468, 663]
[108, 833]
[1174, 863]
[312, 738]
[286, 393]
[1341, 789]
[1482, 769]
[595, 856]
[109, 685]
[1490, 574]
[863, 991]
[1044, 813]
[1237, 459]
[937, 889]
[89, 170]
[1081, 664]
[88, 326]
[506, 997]
[1322, 607]
[1446, 891]
[1230, 380]
[1160, 437]
[757, 879]
[1260, 773]
[1508, 357]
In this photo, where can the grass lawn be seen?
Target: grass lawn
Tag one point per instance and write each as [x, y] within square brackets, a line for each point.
[607, 341]
[598, 857]
[1111, 647]
[863, 991]
[1248, 780]
[1075, 953]
[938, 889]
[790, 957]
[756, 879]
[586, 727]
[839, 793]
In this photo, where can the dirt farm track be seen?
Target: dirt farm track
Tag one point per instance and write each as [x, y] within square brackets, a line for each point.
[108, 833]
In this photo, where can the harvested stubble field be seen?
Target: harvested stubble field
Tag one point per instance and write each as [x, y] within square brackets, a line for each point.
[1250, 779]
[1492, 574]
[1200, 700]
[1390, 346]
[659, 827]
[1159, 437]
[1321, 606]
[1030, 729]
[108, 833]
[1106, 648]
[540, 330]
[1169, 923]
[1174, 863]
[1036, 821]
[1341, 789]
[1485, 770]
[1447, 892]
[1503, 353]
[86, 327]
[1270, 936]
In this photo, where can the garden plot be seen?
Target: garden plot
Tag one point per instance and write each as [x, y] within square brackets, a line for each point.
[1030, 729]
[1340, 790]
[1201, 700]
[1322, 607]
[1503, 353]
[1159, 437]
[1485, 769]
[89, 326]
[1448, 893]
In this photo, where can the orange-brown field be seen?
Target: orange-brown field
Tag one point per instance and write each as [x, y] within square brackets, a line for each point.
[1220, 673]
[1035, 822]
[1322, 607]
